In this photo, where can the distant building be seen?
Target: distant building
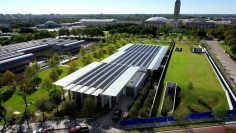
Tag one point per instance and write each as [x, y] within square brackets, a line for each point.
[233, 21]
[175, 23]
[71, 24]
[16, 57]
[198, 24]
[88, 22]
[156, 22]
[48, 25]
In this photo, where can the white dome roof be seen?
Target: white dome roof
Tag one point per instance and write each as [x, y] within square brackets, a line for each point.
[158, 19]
[52, 23]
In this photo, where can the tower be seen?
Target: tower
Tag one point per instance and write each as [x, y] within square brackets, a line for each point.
[175, 23]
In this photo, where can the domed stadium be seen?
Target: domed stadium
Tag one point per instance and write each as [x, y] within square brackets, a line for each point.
[48, 25]
[156, 21]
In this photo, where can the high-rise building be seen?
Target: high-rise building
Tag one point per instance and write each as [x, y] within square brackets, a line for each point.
[175, 23]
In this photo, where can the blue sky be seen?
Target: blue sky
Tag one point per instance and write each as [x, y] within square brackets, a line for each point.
[116, 6]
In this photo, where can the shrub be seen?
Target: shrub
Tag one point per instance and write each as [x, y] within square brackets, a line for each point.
[148, 102]
[6, 94]
[143, 112]
[133, 112]
[68, 107]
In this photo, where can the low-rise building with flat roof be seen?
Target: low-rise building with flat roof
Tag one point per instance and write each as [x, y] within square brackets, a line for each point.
[123, 73]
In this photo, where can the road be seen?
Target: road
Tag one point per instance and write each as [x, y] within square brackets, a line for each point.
[229, 64]
[212, 129]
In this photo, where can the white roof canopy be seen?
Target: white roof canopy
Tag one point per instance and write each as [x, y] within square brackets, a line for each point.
[119, 84]
[74, 76]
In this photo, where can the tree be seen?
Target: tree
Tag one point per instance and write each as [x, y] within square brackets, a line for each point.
[89, 106]
[72, 67]
[30, 72]
[22, 87]
[64, 31]
[68, 107]
[5, 29]
[47, 83]
[100, 44]
[233, 49]
[110, 50]
[7, 78]
[54, 61]
[55, 97]
[3, 113]
[36, 82]
[93, 47]
[44, 105]
[82, 51]
[36, 66]
[88, 59]
[54, 74]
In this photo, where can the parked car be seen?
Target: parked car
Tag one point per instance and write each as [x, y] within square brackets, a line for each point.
[79, 129]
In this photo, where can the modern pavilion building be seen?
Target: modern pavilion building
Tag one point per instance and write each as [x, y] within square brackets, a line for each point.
[121, 74]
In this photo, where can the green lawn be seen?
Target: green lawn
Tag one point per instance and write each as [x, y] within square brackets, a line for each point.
[16, 103]
[226, 48]
[207, 93]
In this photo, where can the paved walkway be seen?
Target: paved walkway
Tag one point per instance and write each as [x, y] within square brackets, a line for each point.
[213, 129]
[229, 64]
[106, 123]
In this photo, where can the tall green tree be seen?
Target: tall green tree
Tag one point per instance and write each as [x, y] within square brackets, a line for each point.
[89, 106]
[63, 32]
[54, 61]
[47, 84]
[68, 108]
[82, 51]
[3, 113]
[55, 96]
[44, 105]
[7, 78]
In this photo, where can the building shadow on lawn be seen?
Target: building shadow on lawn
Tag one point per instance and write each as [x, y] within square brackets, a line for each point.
[178, 97]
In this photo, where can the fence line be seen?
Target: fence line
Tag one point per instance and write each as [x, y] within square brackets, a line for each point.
[229, 116]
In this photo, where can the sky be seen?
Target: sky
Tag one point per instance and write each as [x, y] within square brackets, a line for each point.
[116, 6]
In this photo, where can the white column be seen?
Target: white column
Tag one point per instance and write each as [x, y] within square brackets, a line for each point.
[110, 104]
[63, 94]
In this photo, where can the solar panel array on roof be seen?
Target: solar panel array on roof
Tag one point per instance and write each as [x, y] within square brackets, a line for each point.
[6, 54]
[114, 73]
[21, 49]
[138, 55]
[102, 76]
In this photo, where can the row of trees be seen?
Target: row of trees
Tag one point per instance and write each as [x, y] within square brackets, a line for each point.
[23, 37]
[226, 34]
[23, 86]
[141, 106]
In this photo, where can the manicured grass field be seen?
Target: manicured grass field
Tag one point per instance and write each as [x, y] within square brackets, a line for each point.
[226, 48]
[16, 103]
[206, 94]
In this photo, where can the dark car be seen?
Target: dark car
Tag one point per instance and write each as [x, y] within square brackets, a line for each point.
[116, 115]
